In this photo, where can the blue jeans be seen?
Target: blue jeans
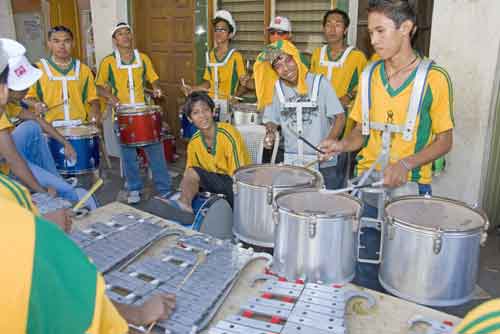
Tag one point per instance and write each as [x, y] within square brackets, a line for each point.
[32, 146]
[367, 273]
[157, 163]
[334, 176]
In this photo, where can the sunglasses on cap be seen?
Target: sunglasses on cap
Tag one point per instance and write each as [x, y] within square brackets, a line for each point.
[221, 30]
[278, 32]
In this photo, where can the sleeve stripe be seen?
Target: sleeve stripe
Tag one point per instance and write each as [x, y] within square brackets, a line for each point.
[233, 144]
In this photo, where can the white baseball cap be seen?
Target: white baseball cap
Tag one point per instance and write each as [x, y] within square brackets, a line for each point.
[119, 26]
[22, 74]
[226, 16]
[280, 23]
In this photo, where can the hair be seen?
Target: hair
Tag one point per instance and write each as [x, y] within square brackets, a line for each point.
[220, 19]
[124, 24]
[398, 11]
[197, 97]
[59, 29]
[340, 12]
[4, 76]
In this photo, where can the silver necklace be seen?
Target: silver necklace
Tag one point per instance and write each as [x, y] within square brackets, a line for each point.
[389, 77]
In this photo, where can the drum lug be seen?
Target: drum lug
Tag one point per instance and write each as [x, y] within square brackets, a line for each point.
[276, 217]
[270, 195]
[312, 227]
[235, 187]
[484, 237]
[391, 231]
[437, 242]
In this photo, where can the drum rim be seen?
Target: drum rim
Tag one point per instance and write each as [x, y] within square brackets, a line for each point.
[435, 230]
[137, 113]
[253, 166]
[86, 136]
[285, 193]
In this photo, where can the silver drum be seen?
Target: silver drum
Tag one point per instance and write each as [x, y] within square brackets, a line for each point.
[255, 188]
[315, 236]
[246, 114]
[431, 250]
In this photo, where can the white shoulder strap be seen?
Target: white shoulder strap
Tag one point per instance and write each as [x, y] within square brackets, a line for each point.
[315, 91]
[279, 91]
[366, 78]
[416, 98]
[46, 67]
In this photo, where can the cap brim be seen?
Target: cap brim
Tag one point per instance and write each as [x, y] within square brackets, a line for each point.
[25, 81]
[115, 29]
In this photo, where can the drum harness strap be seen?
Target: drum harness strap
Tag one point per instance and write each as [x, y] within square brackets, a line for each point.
[299, 106]
[388, 128]
[323, 60]
[64, 80]
[221, 103]
[130, 70]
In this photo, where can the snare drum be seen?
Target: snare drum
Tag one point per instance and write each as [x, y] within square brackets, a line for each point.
[431, 250]
[169, 148]
[85, 141]
[246, 114]
[139, 125]
[255, 188]
[213, 215]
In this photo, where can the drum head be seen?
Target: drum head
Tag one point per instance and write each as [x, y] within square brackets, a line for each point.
[320, 203]
[80, 131]
[245, 107]
[435, 213]
[277, 176]
[136, 108]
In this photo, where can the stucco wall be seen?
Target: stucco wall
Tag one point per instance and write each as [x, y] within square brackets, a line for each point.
[7, 28]
[465, 40]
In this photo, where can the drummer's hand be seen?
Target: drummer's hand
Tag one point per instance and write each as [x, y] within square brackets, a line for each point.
[186, 89]
[69, 152]
[157, 93]
[51, 191]
[113, 101]
[39, 108]
[395, 175]
[234, 100]
[345, 101]
[165, 127]
[245, 81]
[330, 147]
[61, 218]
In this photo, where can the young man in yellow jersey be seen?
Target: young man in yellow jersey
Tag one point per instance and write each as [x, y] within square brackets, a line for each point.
[403, 113]
[224, 66]
[67, 86]
[342, 66]
[121, 79]
[214, 152]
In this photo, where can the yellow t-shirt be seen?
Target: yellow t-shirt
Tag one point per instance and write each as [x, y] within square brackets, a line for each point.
[11, 110]
[111, 76]
[228, 154]
[228, 74]
[345, 79]
[435, 116]
[15, 192]
[483, 319]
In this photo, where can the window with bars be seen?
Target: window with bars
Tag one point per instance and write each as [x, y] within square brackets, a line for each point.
[249, 17]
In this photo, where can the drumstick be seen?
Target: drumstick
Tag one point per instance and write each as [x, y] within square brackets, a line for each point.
[92, 190]
[200, 259]
[343, 190]
[308, 143]
[311, 163]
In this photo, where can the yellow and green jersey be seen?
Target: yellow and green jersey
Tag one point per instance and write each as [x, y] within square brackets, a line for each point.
[228, 153]
[229, 69]
[12, 110]
[16, 193]
[80, 91]
[344, 78]
[435, 116]
[484, 319]
[117, 79]
[50, 285]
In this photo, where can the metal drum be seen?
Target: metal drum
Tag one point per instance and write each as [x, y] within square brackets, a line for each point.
[85, 141]
[255, 188]
[431, 250]
[246, 114]
[139, 125]
[315, 238]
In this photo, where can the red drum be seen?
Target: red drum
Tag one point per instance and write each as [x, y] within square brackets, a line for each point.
[169, 148]
[139, 125]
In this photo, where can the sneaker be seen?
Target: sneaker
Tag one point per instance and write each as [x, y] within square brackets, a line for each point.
[134, 197]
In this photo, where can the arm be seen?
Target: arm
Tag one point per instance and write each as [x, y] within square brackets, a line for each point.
[17, 164]
[396, 174]
[353, 142]
[95, 112]
[158, 307]
[338, 127]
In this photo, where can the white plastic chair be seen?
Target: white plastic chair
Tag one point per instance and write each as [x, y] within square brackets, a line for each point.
[254, 136]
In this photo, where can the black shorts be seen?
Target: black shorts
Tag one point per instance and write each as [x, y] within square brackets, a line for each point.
[216, 183]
